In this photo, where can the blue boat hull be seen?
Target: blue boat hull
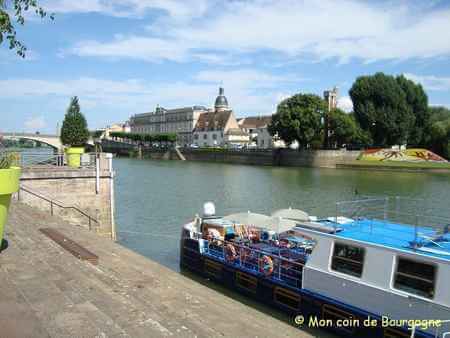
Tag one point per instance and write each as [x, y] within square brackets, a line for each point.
[317, 310]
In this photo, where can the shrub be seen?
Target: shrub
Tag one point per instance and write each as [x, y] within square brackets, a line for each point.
[74, 131]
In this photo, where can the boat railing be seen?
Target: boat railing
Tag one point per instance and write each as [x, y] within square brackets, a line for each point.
[283, 269]
[383, 212]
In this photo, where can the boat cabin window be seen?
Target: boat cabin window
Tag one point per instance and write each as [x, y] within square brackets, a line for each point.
[348, 259]
[415, 277]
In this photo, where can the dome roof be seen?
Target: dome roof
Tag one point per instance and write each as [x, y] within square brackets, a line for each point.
[221, 100]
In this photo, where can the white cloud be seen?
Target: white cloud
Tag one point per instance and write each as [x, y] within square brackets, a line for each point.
[345, 103]
[431, 82]
[140, 48]
[314, 29]
[248, 91]
[244, 78]
[84, 86]
[35, 123]
[177, 10]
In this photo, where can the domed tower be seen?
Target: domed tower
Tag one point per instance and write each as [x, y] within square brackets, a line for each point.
[221, 103]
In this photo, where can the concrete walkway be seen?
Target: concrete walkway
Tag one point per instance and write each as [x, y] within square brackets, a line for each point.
[46, 292]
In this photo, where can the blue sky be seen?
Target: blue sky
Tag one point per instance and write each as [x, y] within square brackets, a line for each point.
[125, 57]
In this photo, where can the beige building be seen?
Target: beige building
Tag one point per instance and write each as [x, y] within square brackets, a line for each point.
[219, 127]
[181, 121]
[116, 127]
[267, 141]
[251, 125]
[257, 127]
[331, 97]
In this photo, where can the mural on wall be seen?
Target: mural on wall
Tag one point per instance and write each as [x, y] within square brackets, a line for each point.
[405, 155]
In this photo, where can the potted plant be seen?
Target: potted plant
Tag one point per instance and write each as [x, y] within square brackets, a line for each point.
[9, 184]
[74, 133]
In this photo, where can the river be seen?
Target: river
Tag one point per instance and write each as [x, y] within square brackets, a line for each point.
[154, 198]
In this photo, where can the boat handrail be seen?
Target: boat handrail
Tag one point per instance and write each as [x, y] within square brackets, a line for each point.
[260, 252]
[288, 274]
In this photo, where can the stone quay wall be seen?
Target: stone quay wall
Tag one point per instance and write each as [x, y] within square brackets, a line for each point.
[278, 157]
[73, 187]
[274, 157]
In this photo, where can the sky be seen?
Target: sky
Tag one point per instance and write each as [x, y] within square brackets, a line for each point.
[125, 57]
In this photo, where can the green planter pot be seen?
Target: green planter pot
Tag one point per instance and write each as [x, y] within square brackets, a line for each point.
[9, 184]
[74, 156]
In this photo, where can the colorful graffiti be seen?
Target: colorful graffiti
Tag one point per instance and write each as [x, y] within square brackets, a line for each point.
[405, 155]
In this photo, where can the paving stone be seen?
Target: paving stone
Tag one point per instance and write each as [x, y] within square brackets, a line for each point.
[46, 292]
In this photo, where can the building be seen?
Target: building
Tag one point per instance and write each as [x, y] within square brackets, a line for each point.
[331, 97]
[257, 127]
[116, 127]
[251, 125]
[219, 127]
[181, 121]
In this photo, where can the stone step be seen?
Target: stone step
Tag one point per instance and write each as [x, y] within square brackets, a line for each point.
[126, 295]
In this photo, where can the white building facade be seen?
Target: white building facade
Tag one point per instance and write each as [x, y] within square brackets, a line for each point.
[219, 127]
[180, 121]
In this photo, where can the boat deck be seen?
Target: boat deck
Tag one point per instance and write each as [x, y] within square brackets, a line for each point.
[396, 235]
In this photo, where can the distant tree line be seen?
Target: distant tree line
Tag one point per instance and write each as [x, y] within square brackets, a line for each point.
[387, 110]
[151, 138]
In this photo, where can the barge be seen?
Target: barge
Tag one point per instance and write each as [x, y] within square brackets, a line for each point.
[371, 270]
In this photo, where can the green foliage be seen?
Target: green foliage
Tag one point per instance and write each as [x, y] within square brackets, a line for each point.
[96, 133]
[18, 9]
[342, 126]
[150, 138]
[74, 131]
[439, 131]
[418, 101]
[381, 108]
[298, 118]
[345, 130]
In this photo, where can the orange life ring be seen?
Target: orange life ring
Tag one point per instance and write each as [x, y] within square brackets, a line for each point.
[266, 265]
[230, 253]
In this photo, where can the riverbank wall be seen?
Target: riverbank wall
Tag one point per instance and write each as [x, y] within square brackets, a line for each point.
[58, 190]
[275, 157]
[279, 157]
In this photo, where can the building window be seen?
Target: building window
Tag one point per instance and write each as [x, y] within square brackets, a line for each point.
[348, 259]
[205, 136]
[196, 137]
[214, 137]
[415, 277]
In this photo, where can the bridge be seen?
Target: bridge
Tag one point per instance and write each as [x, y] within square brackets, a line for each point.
[49, 139]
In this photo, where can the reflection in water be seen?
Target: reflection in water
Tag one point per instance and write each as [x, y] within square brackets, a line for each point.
[154, 198]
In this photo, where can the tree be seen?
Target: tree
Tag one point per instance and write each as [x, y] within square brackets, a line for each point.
[74, 131]
[7, 29]
[439, 131]
[344, 129]
[298, 118]
[417, 99]
[381, 108]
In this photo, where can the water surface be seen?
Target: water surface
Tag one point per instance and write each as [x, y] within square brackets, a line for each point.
[154, 198]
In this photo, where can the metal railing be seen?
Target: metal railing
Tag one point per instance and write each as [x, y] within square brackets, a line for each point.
[54, 203]
[286, 269]
[390, 211]
[47, 160]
